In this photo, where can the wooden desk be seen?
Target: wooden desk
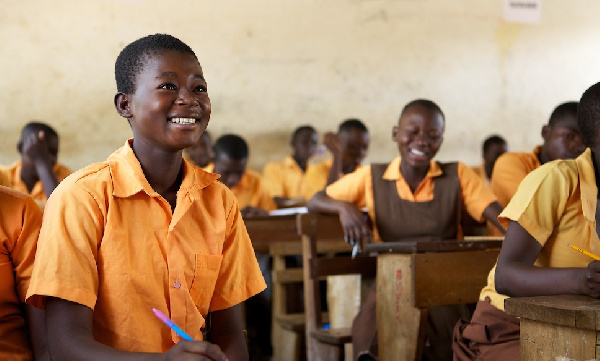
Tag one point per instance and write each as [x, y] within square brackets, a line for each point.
[265, 230]
[412, 276]
[552, 326]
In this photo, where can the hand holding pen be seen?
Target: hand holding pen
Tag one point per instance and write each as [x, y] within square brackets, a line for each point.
[203, 350]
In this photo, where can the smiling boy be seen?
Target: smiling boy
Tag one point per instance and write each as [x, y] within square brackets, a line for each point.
[147, 229]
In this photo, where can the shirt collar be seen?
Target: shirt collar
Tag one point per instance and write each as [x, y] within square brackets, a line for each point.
[128, 177]
[392, 172]
[587, 184]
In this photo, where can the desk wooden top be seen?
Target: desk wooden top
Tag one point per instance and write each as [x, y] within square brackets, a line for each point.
[576, 311]
[428, 245]
[266, 230]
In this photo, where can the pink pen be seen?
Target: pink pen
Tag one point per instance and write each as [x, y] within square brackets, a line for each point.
[167, 321]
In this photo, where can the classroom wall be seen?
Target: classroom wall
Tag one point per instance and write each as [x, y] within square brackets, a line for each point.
[273, 65]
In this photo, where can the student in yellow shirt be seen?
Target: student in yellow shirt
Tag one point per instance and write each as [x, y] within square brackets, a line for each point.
[285, 179]
[556, 204]
[492, 148]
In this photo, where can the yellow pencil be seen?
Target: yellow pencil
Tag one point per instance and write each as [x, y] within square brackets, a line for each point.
[587, 253]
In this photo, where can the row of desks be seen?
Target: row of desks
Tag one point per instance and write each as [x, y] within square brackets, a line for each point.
[411, 276]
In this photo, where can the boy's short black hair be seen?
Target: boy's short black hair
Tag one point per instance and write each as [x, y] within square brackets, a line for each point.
[588, 115]
[301, 129]
[34, 127]
[231, 145]
[353, 123]
[491, 140]
[563, 110]
[132, 58]
[426, 103]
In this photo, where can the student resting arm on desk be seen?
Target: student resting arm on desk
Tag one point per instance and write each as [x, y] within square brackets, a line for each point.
[413, 196]
[555, 205]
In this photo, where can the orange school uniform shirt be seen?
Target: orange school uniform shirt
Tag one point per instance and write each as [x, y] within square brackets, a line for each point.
[357, 188]
[250, 191]
[13, 174]
[110, 242]
[509, 170]
[284, 178]
[480, 171]
[20, 221]
[315, 179]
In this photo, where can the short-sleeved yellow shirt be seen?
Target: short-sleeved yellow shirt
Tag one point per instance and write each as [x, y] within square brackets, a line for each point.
[13, 174]
[284, 178]
[110, 242]
[556, 205]
[509, 170]
[480, 171]
[357, 188]
[315, 179]
[20, 221]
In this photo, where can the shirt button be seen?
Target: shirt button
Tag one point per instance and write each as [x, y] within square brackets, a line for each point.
[176, 284]
[170, 229]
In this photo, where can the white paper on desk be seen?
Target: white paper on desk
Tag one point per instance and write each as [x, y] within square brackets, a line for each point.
[288, 211]
[522, 11]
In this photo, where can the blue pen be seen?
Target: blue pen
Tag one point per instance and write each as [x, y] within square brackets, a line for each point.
[167, 321]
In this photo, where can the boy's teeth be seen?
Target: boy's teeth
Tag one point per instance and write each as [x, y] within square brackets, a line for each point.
[417, 152]
[183, 120]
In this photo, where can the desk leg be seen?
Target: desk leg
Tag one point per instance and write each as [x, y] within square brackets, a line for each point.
[398, 321]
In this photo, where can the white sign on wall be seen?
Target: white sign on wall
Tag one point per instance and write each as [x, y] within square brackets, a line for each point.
[522, 11]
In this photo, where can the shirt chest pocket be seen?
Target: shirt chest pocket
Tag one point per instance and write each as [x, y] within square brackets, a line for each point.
[206, 272]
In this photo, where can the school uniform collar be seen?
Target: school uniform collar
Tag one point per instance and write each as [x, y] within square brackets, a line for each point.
[392, 172]
[537, 151]
[587, 184]
[290, 162]
[128, 177]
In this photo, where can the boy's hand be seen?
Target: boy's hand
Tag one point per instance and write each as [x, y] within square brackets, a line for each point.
[35, 148]
[591, 279]
[355, 225]
[332, 142]
[195, 351]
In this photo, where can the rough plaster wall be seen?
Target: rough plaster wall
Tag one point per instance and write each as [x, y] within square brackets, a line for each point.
[273, 65]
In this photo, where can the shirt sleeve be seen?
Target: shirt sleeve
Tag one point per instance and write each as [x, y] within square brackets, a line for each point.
[476, 195]
[239, 276]
[509, 171]
[351, 187]
[540, 200]
[315, 179]
[67, 252]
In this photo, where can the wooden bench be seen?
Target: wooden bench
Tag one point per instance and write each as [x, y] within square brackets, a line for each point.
[557, 326]
[415, 275]
[322, 242]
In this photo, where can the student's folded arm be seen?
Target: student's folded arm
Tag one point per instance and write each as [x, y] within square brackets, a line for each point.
[353, 220]
[516, 275]
[227, 331]
[70, 338]
[37, 329]
[491, 213]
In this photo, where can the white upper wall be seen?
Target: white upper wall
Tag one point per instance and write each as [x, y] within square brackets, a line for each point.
[274, 65]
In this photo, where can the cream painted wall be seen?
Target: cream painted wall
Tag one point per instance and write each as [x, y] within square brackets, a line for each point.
[273, 65]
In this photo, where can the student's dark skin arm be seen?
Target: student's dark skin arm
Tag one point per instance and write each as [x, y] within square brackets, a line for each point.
[251, 212]
[353, 220]
[283, 202]
[516, 276]
[491, 213]
[227, 331]
[37, 329]
[70, 338]
[35, 148]
[333, 143]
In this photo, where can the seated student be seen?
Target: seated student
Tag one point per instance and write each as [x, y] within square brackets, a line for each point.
[493, 147]
[231, 156]
[561, 141]
[348, 147]
[413, 196]
[555, 205]
[285, 179]
[38, 172]
[147, 229]
[201, 154]
[20, 221]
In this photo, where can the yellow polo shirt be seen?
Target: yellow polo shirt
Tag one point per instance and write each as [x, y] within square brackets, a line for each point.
[284, 178]
[13, 174]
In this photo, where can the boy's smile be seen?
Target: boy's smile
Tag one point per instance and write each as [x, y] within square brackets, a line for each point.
[170, 107]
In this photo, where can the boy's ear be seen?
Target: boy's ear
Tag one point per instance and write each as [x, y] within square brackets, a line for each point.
[122, 102]
[20, 146]
[546, 129]
[394, 132]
